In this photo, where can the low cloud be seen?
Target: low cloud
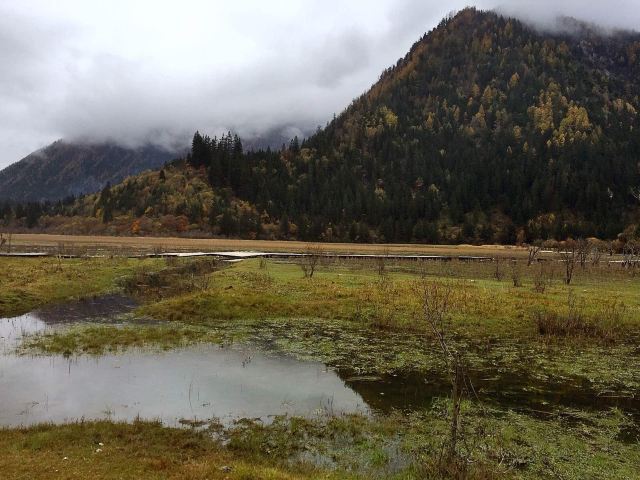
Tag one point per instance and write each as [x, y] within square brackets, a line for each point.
[140, 71]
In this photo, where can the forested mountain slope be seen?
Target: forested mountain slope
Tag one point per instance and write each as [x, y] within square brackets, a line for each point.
[68, 168]
[487, 131]
[488, 123]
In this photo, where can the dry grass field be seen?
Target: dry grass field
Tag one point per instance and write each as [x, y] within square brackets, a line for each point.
[37, 242]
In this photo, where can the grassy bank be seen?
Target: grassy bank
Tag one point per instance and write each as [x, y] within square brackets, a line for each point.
[26, 284]
[496, 445]
[106, 450]
[482, 306]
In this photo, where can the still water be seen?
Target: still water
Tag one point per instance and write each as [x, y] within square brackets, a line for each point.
[226, 383]
[197, 383]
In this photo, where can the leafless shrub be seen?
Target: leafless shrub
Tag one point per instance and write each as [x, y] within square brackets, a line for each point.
[498, 273]
[541, 280]
[533, 251]
[631, 255]
[198, 266]
[5, 241]
[381, 308]
[143, 282]
[180, 277]
[381, 262]
[62, 250]
[516, 274]
[568, 252]
[597, 250]
[312, 256]
[583, 249]
[437, 302]
[381, 266]
[609, 248]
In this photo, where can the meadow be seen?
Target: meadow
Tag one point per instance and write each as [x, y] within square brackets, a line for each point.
[552, 370]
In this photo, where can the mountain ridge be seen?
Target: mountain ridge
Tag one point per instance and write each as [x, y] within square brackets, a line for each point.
[66, 168]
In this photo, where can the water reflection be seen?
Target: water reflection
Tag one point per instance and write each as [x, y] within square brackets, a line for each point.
[516, 391]
[193, 383]
[203, 382]
[101, 308]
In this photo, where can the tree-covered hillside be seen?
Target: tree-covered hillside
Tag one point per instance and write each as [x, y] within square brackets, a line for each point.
[487, 131]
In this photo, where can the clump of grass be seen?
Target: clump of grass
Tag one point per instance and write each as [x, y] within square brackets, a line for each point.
[100, 339]
[383, 304]
[605, 324]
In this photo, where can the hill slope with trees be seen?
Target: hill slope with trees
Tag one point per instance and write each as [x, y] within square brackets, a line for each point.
[488, 130]
[66, 168]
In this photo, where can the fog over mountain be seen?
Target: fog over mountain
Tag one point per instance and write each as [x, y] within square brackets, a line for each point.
[139, 71]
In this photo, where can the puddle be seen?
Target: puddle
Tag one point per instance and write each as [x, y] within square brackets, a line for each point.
[197, 383]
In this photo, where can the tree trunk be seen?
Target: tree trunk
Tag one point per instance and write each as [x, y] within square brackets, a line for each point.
[455, 415]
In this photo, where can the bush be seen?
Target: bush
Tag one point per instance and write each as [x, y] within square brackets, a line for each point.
[540, 280]
[606, 324]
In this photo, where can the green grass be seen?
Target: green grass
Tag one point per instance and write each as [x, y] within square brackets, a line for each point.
[27, 284]
[495, 444]
[101, 339]
[136, 451]
[483, 307]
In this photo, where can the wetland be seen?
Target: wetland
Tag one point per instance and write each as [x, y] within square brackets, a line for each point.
[274, 375]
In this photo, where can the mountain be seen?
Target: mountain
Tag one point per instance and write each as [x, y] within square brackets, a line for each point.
[494, 126]
[488, 130]
[64, 168]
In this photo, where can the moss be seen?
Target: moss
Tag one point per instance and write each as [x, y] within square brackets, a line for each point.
[494, 444]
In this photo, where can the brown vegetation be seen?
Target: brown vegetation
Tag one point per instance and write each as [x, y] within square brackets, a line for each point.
[575, 323]
[30, 241]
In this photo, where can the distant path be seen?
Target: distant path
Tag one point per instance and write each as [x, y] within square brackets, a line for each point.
[46, 242]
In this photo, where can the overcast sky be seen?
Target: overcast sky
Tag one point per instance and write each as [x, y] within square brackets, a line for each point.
[140, 70]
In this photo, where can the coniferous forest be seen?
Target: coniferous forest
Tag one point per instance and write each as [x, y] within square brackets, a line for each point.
[489, 130]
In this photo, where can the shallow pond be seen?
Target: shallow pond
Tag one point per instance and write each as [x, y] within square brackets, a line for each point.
[176, 387]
